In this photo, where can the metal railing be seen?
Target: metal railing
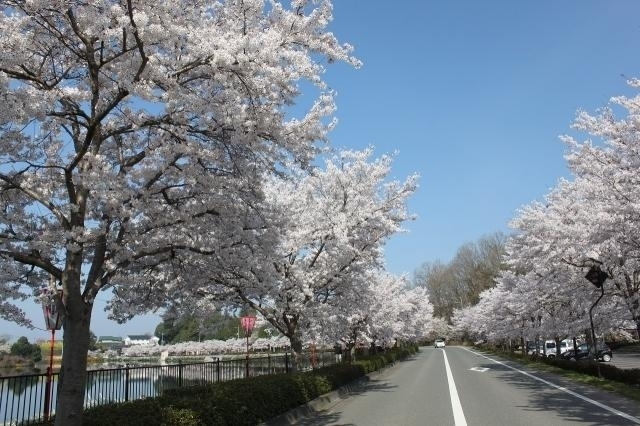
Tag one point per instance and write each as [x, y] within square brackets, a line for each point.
[22, 398]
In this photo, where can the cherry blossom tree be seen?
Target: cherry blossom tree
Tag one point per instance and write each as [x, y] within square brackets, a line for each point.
[414, 319]
[546, 295]
[610, 178]
[440, 327]
[127, 128]
[590, 221]
[540, 294]
[382, 310]
[318, 235]
[208, 347]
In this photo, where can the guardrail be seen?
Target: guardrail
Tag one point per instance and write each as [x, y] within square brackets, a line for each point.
[23, 398]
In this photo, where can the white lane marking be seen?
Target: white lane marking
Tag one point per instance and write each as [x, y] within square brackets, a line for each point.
[563, 389]
[479, 369]
[458, 415]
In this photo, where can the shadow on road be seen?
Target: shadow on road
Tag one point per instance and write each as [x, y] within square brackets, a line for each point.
[373, 385]
[327, 417]
[543, 397]
[322, 419]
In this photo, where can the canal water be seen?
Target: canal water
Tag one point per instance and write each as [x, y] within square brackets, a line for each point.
[23, 397]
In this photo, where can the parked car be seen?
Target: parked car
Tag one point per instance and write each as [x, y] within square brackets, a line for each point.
[439, 343]
[548, 348]
[603, 353]
[542, 348]
[565, 345]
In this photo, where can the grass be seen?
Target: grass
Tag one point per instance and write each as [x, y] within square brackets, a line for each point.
[632, 392]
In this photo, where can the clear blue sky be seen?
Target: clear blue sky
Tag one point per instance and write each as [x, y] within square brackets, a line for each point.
[473, 96]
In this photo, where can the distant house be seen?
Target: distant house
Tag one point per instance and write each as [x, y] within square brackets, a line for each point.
[109, 343]
[141, 340]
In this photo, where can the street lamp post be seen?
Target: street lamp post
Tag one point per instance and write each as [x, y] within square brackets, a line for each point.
[53, 316]
[247, 323]
[597, 277]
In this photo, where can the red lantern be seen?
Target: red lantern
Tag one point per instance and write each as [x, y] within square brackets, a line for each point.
[248, 323]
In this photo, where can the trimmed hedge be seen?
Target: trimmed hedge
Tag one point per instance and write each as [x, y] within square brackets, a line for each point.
[238, 402]
[591, 368]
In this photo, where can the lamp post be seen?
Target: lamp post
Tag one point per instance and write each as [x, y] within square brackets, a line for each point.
[53, 320]
[597, 277]
[247, 323]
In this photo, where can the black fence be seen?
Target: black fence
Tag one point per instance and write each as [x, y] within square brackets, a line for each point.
[24, 399]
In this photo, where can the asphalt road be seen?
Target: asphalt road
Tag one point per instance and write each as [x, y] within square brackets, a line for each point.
[457, 387]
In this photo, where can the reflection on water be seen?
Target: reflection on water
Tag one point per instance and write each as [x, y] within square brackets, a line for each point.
[19, 383]
[22, 396]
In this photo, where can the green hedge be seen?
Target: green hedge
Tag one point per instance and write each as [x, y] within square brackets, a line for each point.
[238, 402]
[592, 368]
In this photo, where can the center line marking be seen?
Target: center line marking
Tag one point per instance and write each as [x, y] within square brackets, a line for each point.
[458, 415]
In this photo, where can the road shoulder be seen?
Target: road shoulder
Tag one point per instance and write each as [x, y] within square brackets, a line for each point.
[602, 396]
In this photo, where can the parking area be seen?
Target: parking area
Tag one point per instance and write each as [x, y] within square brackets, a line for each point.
[626, 359]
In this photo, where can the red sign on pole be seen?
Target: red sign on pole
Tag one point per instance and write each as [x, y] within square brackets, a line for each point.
[248, 323]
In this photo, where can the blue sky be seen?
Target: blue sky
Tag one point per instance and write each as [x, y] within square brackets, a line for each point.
[473, 96]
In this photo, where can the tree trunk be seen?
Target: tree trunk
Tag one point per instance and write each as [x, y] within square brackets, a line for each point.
[296, 348]
[348, 352]
[73, 371]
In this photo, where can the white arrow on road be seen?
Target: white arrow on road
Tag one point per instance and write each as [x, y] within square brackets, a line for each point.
[479, 369]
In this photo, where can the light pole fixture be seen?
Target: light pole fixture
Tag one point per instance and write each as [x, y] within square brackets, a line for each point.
[248, 323]
[596, 276]
[53, 311]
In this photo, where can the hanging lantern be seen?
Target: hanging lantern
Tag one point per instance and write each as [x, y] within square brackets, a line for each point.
[248, 323]
[51, 308]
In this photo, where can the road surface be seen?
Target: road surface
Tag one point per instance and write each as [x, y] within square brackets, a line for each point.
[457, 386]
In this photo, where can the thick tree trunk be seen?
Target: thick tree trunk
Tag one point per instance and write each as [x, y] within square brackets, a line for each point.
[73, 371]
[296, 348]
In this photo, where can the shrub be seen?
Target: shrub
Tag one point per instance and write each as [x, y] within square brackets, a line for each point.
[238, 402]
[23, 348]
[591, 368]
